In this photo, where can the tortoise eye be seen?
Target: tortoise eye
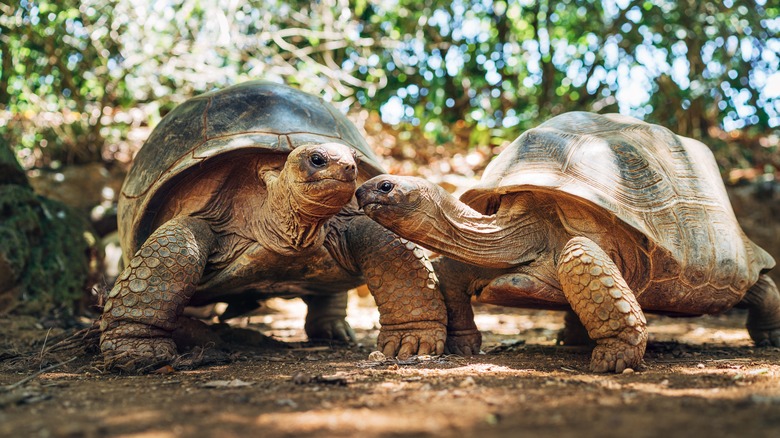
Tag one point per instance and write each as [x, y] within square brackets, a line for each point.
[317, 159]
[386, 187]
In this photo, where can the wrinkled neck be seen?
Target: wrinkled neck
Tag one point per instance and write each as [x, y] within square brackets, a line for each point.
[508, 238]
[287, 221]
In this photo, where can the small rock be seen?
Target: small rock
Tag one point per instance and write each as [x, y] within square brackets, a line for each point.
[467, 382]
[628, 371]
[393, 367]
[700, 365]
[286, 402]
[301, 378]
[377, 356]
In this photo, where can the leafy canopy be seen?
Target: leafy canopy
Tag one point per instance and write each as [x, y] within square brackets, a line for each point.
[84, 80]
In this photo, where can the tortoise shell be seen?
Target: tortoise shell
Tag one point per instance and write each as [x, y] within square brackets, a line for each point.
[252, 117]
[663, 185]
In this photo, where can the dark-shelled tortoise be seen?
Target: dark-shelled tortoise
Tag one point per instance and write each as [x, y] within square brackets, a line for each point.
[604, 215]
[248, 193]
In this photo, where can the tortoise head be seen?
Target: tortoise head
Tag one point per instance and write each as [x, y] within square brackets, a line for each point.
[426, 214]
[321, 178]
[396, 201]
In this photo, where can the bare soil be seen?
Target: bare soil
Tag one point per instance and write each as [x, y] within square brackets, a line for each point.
[702, 377]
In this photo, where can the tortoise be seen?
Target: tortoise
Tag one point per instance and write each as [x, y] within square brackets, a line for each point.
[603, 215]
[247, 193]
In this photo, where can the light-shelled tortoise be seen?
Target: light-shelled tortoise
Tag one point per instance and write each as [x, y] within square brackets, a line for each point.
[248, 193]
[605, 215]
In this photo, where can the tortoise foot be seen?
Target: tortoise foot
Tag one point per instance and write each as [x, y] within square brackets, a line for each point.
[765, 338]
[325, 319]
[615, 355]
[417, 338]
[327, 328]
[763, 303]
[137, 355]
[464, 342]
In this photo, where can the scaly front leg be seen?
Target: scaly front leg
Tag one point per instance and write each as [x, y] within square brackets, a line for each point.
[605, 304]
[411, 308]
[150, 294]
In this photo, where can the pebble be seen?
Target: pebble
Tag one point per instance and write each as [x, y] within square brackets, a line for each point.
[628, 371]
[286, 402]
[376, 356]
[468, 381]
[301, 378]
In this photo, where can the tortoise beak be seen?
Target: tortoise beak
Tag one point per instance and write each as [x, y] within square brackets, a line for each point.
[362, 194]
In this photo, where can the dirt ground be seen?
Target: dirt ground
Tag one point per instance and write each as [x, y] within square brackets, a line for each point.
[702, 378]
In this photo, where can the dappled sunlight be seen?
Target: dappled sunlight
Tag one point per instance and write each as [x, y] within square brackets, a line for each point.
[374, 422]
[706, 329]
[722, 384]
[284, 318]
[134, 417]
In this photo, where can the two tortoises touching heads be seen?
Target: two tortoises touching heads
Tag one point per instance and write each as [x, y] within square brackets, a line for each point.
[248, 193]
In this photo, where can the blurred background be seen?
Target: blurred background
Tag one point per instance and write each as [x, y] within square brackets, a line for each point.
[437, 86]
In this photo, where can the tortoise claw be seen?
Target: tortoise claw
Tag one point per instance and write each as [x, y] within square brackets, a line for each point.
[613, 354]
[409, 340]
[137, 355]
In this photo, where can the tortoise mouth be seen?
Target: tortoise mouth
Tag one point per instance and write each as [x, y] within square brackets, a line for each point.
[383, 211]
[366, 200]
[344, 179]
[333, 181]
[329, 187]
[371, 207]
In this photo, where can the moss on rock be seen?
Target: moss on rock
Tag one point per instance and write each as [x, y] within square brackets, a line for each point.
[46, 249]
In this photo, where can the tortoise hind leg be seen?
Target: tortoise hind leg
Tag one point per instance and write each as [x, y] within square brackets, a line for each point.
[142, 309]
[573, 332]
[605, 304]
[326, 317]
[463, 337]
[763, 303]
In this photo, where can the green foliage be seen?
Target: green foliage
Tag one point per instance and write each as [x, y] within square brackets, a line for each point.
[80, 79]
[697, 67]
